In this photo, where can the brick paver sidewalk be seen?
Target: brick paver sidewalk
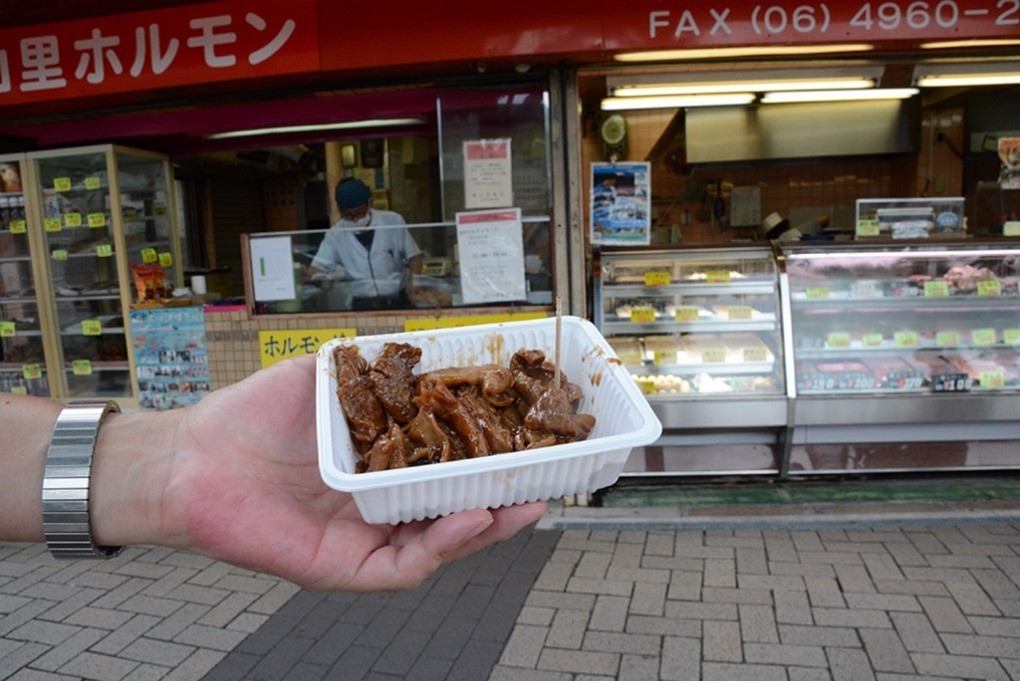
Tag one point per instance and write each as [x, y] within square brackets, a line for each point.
[886, 604]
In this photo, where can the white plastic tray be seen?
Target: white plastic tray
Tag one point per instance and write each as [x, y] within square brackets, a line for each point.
[624, 421]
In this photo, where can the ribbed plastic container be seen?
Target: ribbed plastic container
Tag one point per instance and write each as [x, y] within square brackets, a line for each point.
[623, 421]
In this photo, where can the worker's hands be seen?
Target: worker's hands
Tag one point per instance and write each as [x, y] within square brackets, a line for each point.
[241, 484]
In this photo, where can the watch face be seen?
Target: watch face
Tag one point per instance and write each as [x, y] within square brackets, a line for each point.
[613, 129]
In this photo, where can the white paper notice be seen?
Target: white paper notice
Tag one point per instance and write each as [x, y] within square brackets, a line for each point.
[488, 175]
[491, 249]
[272, 268]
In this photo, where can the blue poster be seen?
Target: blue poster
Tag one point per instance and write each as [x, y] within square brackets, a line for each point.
[171, 356]
[621, 200]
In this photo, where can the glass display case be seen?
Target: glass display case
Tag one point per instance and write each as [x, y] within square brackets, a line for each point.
[22, 353]
[103, 211]
[696, 327]
[906, 356]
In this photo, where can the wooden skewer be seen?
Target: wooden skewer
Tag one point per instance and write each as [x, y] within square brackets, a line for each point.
[559, 326]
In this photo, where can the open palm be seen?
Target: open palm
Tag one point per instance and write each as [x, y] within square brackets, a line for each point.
[244, 485]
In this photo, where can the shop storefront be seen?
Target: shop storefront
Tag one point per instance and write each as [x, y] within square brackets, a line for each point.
[635, 161]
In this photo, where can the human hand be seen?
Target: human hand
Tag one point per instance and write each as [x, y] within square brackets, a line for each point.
[236, 478]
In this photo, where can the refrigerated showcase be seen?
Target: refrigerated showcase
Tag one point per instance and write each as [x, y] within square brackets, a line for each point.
[701, 332]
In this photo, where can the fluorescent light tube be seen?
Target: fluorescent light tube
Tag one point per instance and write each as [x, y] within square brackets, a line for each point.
[764, 85]
[836, 95]
[750, 51]
[968, 79]
[630, 103]
[987, 42]
[348, 125]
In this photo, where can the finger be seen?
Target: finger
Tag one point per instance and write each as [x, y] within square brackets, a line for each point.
[507, 521]
[405, 566]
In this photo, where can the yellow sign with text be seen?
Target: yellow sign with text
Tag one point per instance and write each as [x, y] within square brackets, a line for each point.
[276, 346]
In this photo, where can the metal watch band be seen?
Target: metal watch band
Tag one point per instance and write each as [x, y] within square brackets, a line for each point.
[65, 493]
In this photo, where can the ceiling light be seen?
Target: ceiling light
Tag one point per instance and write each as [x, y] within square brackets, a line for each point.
[631, 103]
[743, 86]
[750, 51]
[967, 74]
[348, 125]
[950, 44]
[837, 95]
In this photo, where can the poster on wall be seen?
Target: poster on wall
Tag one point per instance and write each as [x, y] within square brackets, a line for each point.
[621, 200]
[491, 247]
[488, 174]
[272, 268]
[171, 356]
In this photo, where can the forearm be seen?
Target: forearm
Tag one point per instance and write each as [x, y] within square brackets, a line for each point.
[130, 465]
[26, 425]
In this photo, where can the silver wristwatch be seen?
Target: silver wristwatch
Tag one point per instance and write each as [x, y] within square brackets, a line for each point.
[65, 492]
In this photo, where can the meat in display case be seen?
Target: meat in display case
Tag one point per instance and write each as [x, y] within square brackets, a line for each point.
[905, 356]
[923, 319]
[693, 325]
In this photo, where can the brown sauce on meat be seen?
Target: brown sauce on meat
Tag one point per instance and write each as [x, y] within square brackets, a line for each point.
[400, 419]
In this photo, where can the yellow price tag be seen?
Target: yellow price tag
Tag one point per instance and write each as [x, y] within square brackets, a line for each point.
[947, 339]
[757, 353]
[59, 254]
[52, 224]
[72, 220]
[868, 228]
[62, 184]
[838, 340]
[7, 330]
[657, 279]
[713, 355]
[992, 379]
[149, 255]
[687, 314]
[91, 327]
[166, 259]
[81, 367]
[989, 287]
[30, 371]
[645, 384]
[1011, 336]
[872, 340]
[905, 339]
[982, 336]
[717, 277]
[739, 313]
[663, 357]
[18, 227]
[96, 220]
[817, 292]
[92, 183]
[104, 250]
[642, 315]
[19, 390]
[936, 289]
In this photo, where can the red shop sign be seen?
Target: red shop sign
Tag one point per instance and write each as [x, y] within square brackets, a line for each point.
[202, 43]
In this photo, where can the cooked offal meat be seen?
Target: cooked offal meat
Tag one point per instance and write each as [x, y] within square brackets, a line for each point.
[399, 419]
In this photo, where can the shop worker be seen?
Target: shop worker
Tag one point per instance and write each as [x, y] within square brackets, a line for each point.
[234, 477]
[370, 250]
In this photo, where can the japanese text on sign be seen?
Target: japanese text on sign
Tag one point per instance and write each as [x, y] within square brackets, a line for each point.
[161, 48]
[276, 346]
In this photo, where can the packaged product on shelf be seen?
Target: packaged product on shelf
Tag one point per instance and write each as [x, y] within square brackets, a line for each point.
[983, 370]
[893, 373]
[629, 350]
[943, 375]
[150, 282]
[662, 384]
[665, 349]
[848, 375]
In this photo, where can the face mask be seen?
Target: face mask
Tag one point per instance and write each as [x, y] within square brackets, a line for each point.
[363, 221]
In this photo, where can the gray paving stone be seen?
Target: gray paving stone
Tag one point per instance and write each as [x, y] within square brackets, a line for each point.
[611, 642]
[959, 666]
[945, 615]
[476, 661]
[685, 585]
[808, 674]
[430, 669]
[227, 610]
[982, 646]
[235, 582]
[148, 605]
[740, 596]
[648, 598]
[304, 671]
[886, 651]
[524, 646]
[23, 615]
[751, 561]
[353, 664]
[824, 592]
[785, 654]
[155, 652]
[971, 598]
[579, 662]
[123, 635]
[196, 666]
[996, 626]
[916, 633]
[169, 627]
[281, 658]
[27, 674]
[720, 572]
[792, 607]
[842, 637]
[561, 601]
[9, 603]
[593, 565]
[609, 613]
[681, 659]
[39, 631]
[637, 668]
[722, 671]
[721, 641]
[700, 611]
[544, 616]
[60, 655]
[903, 603]
[882, 566]
[664, 626]
[98, 667]
[911, 587]
[567, 630]
[21, 656]
[273, 599]
[209, 637]
[854, 579]
[758, 624]
[664, 543]
[849, 664]
[844, 617]
[608, 587]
